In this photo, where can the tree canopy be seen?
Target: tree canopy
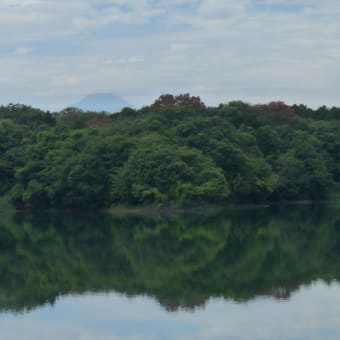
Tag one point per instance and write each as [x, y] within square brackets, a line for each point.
[175, 150]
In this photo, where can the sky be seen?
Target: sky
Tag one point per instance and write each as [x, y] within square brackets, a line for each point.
[53, 53]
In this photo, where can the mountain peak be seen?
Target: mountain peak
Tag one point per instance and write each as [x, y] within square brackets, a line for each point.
[109, 102]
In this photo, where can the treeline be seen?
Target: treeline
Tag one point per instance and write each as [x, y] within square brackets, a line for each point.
[175, 150]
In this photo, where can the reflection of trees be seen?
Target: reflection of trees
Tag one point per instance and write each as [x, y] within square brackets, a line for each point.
[180, 261]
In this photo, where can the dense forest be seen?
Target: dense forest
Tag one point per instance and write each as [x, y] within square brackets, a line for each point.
[176, 150]
[181, 261]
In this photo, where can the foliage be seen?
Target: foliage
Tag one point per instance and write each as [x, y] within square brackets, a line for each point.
[175, 150]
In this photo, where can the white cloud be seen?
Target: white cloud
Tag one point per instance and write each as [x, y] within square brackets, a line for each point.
[131, 60]
[22, 51]
[180, 47]
[224, 50]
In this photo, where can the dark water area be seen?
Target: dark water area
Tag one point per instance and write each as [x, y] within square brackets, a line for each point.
[243, 274]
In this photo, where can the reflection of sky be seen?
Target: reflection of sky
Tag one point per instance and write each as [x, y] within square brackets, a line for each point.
[312, 313]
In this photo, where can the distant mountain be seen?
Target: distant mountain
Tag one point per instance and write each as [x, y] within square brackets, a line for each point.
[108, 102]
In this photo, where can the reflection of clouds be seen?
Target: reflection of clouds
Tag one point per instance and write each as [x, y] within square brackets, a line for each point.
[312, 313]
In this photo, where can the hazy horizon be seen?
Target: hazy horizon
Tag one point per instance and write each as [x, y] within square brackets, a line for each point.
[57, 108]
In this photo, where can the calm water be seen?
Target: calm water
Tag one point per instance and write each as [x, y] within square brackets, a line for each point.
[246, 274]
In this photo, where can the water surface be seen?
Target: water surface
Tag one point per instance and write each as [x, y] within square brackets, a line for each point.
[245, 274]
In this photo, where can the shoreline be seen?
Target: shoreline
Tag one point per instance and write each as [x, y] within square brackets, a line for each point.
[208, 208]
[171, 208]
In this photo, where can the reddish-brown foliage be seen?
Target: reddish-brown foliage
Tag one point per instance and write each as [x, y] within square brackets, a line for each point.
[276, 112]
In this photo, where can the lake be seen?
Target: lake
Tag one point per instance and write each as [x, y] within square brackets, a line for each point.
[269, 273]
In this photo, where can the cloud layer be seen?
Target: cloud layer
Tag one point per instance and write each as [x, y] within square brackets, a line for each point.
[52, 52]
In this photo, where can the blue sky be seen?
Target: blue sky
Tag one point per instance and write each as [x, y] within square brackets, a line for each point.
[52, 53]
